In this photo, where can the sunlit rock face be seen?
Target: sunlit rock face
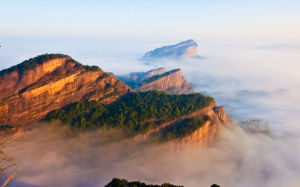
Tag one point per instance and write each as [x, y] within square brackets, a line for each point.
[27, 95]
[207, 133]
[183, 50]
[159, 79]
[221, 113]
[172, 82]
[203, 136]
[152, 73]
[137, 77]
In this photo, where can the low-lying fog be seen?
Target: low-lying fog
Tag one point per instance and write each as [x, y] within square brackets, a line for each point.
[252, 82]
[48, 157]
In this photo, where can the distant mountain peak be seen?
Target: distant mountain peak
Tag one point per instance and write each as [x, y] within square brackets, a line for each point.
[172, 82]
[183, 50]
[158, 79]
[190, 42]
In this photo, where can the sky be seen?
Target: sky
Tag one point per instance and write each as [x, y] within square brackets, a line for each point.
[153, 20]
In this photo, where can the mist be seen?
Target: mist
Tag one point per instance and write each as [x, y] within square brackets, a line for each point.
[252, 82]
[48, 156]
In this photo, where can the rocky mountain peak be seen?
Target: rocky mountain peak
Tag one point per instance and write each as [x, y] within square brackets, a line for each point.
[31, 89]
[183, 50]
[159, 79]
[153, 72]
[172, 82]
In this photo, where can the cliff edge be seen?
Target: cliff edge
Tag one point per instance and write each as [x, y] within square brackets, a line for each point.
[30, 90]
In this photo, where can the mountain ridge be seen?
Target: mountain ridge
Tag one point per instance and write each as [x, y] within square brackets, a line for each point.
[183, 50]
[149, 115]
[159, 79]
[27, 96]
[172, 82]
[86, 97]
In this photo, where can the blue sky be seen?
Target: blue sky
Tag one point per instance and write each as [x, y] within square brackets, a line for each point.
[277, 19]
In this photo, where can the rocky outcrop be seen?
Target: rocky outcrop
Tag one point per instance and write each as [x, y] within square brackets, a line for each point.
[33, 88]
[183, 50]
[206, 134]
[9, 131]
[203, 136]
[221, 113]
[172, 82]
[158, 79]
[134, 78]
[152, 73]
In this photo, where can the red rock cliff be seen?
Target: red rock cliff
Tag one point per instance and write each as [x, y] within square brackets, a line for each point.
[203, 136]
[27, 96]
[172, 82]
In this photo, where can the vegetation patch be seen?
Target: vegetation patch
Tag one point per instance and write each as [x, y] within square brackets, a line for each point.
[124, 183]
[131, 112]
[33, 62]
[5, 127]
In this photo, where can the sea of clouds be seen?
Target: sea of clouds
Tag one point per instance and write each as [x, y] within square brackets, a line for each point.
[252, 82]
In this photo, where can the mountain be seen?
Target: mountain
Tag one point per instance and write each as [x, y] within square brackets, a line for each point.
[56, 87]
[157, 116]
[183, 50]
[33, 88]
[172, 82]
[158, 79]
[134, 78]
[152, 73]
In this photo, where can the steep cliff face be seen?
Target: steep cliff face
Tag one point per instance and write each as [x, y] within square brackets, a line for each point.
[172, 82]
[35, 87]
[202, 136]
[183, 50]
[221, 113]
[134, 78]
[206, 133]
[152, 73]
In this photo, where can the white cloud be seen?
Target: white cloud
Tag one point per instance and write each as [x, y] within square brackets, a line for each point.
[280, 46]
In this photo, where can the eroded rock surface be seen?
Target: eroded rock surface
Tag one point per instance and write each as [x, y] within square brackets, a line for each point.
[172, 82]
[34, 88]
